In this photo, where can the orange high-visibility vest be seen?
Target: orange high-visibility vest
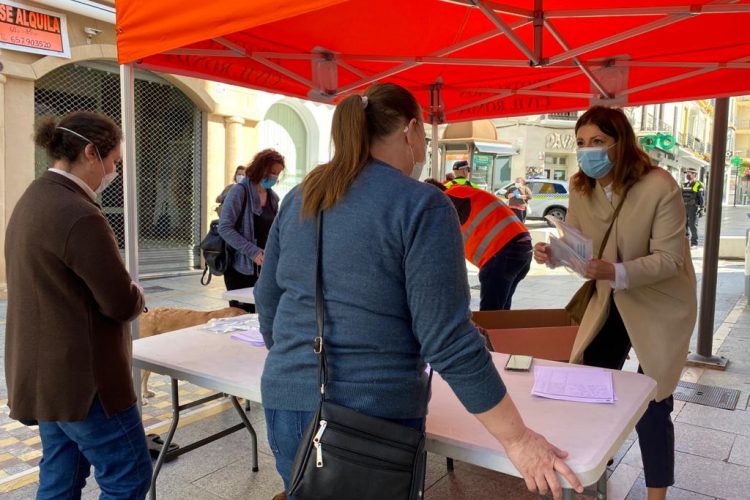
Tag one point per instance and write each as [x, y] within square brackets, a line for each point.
[490, 226]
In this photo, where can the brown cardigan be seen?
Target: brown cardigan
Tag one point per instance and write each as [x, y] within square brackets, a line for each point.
[69, 303]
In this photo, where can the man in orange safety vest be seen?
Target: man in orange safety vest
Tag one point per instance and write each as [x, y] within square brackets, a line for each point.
[495, 240]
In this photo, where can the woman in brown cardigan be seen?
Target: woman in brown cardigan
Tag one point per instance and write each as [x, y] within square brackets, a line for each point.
[70, 298]
[645, 289]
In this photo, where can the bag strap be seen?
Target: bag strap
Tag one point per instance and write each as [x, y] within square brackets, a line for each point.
[206, 272]
[611, 224]
[318, 344]
[319, 309]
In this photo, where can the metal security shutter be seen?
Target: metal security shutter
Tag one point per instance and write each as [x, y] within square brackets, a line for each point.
[168, 149]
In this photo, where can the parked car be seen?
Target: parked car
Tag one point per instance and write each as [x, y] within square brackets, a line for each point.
[548, 197]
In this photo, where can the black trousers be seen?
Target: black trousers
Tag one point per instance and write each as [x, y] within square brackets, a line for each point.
[234, 279]
[691, 225]
[609, 349]
[521, 214]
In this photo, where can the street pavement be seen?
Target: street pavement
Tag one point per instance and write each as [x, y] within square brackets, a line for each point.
[712, 445]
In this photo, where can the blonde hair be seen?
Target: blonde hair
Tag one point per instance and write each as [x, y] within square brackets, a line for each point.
[357, 120]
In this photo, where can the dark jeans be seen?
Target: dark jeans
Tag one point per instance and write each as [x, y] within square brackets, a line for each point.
[691, 226]
[609, 349]
[234, 280]
[500, 275]
[115, 446]
[521, 214]
[285, 430]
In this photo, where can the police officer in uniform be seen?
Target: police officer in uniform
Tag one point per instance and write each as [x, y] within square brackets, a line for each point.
[692, 195]
[461, 169]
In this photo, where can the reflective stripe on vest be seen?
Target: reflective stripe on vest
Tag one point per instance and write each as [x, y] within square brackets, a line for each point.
[491, 236]
[459, 181]
[490, 226]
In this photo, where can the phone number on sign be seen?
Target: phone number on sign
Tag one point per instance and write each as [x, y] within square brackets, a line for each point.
[30, 42]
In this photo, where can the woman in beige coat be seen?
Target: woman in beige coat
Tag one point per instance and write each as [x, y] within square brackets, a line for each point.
[645, 289]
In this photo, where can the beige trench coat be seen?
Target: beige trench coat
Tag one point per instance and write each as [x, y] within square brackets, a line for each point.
[659, 306]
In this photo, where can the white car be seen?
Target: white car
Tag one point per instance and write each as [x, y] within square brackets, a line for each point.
[548, 197]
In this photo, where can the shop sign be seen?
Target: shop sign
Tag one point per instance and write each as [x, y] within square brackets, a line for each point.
[482, 161]
[34, 30]
[558, 141]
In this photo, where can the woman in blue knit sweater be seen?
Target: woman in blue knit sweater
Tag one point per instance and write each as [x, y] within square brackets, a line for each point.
[396, 293]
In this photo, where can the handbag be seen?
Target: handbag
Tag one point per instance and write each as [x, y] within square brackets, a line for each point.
[348, 455]
[580, 301]
[217, 255]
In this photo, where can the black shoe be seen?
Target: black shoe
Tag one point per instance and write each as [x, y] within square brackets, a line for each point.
[155, 444]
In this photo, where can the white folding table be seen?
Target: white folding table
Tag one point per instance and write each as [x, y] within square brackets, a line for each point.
[590, 433]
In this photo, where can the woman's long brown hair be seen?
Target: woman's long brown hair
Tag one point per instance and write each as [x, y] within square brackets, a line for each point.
[356, 122]
[630, 161]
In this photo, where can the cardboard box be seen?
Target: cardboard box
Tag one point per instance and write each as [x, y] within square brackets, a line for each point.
[542, 333]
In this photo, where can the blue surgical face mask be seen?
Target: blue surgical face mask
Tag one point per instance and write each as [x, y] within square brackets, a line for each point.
[594, 162]
[269, 181]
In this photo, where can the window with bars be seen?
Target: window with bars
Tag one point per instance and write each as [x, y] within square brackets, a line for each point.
[168, 132]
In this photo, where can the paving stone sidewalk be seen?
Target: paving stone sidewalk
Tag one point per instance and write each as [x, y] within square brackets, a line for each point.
[712, 445]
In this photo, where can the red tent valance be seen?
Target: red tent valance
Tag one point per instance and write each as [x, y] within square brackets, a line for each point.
[490, 59]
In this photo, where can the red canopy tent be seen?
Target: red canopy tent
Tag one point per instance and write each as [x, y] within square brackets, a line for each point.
[463, 59]
[487, 58]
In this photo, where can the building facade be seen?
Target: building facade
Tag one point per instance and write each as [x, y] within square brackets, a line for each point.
[191, 135]
[546, 144]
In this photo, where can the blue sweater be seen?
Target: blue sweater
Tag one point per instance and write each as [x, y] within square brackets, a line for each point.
[240, 235]
[396, 296]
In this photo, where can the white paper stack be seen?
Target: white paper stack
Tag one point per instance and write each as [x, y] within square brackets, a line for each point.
[243, 328]
[234, 324]
[571, 248]
[585, 385]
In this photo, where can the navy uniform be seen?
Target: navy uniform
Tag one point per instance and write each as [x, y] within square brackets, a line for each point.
[692, 195]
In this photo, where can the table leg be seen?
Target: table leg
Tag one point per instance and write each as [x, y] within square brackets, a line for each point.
[601, 487]
[449, 464]
[168, 441]
[249, 428]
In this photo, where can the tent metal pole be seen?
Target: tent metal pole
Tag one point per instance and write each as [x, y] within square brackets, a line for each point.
[127, 89]
[538, 30]
[436, 117]
[435, 160]
[610, 40]
[704, 356]
[127, 99]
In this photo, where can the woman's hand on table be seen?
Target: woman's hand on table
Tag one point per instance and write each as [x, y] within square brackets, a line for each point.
[534, 457]
[600, 270]
[539, 462]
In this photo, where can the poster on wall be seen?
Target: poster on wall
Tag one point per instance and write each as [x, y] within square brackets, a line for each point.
[30, 29]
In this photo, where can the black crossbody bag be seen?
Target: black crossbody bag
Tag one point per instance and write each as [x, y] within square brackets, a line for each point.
[347, 455]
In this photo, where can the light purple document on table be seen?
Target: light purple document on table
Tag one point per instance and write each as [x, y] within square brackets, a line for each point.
[251, 336]
[585, 385]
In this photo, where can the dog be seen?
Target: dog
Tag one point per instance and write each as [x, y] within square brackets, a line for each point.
[167, 319]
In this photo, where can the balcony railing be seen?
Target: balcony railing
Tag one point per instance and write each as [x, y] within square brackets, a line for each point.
[570, 116]
[661, 127]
